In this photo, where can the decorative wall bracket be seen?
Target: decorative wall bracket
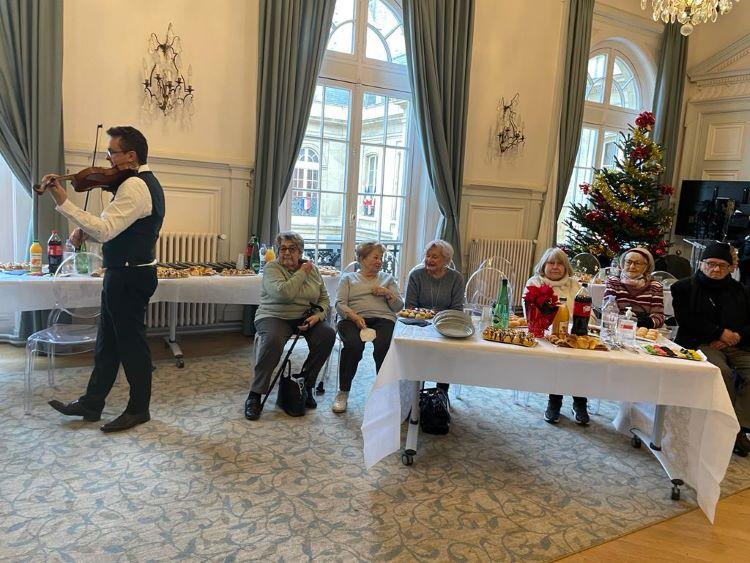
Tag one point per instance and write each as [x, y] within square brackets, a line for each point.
[165, 86]
[510, 130]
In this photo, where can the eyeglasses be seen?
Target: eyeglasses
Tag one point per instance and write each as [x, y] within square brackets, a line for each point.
[715, 266]
[110, 152]
[634, 263]
[290, 249]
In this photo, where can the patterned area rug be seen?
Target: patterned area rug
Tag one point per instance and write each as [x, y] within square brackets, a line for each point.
[201, 482]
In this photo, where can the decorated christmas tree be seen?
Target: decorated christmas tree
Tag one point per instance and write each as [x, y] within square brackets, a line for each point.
[624, 206]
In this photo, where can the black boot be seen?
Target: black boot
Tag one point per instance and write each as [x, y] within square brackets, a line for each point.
[310, 402]
[252, 406]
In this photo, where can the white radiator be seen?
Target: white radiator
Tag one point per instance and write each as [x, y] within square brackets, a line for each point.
[185, 247]
[518, 252]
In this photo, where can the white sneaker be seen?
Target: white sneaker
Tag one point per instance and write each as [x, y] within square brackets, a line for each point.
[339, 403]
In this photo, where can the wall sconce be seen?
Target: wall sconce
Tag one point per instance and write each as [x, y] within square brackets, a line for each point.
[165, 87]
[509, 134]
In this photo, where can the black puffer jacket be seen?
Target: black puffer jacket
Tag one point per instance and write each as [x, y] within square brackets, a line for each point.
[704, 308]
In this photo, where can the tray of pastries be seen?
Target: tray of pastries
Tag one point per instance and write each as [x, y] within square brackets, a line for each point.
[200, 271]
[170, 273]
[644, 333]
[328, 271]
[509, 336]
[233, 272]
[416, 313]
[578, 342]
[14, 266]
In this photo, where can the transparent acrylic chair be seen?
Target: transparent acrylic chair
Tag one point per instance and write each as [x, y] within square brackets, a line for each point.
[665, 278]
[585, 266]
[481, 291]
[61, 338]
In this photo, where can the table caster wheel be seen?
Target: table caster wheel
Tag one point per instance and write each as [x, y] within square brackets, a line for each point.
[635, 441]
[180, 363]
[675, 493]
[407, 459]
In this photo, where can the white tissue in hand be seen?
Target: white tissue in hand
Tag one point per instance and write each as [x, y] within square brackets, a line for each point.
[367, 334]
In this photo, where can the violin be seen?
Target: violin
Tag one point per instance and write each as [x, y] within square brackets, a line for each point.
[95, 177]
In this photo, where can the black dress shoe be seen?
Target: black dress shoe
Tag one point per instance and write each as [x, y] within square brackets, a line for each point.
[252, 406]
[75, 408]
[741, 445]
[125, 421]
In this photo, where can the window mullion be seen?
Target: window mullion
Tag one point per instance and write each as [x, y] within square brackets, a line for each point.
[608, 77]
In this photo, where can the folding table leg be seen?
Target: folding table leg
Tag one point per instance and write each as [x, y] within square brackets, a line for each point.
[657, 433]
[412, 434]
[171, 340]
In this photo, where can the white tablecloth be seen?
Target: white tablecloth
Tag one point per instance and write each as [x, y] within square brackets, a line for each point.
[597, 293]
[29, 293]
[704, 430]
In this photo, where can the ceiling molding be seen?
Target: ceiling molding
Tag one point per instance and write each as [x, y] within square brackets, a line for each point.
[712, 71]
[644, 24]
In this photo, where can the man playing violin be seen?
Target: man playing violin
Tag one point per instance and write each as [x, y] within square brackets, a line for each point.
[129, 227]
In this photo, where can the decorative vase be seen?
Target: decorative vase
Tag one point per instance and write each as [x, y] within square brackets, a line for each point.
[537, 320]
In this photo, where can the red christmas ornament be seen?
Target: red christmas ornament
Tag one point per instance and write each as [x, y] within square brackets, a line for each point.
[645, 120]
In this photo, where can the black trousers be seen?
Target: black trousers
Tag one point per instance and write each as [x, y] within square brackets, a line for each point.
[351, 354]
[121, 338]
[272, 335]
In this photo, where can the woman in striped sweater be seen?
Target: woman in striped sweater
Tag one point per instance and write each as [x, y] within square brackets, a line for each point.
[636, 289]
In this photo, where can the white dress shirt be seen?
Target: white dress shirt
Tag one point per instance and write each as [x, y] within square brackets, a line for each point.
[131, 202]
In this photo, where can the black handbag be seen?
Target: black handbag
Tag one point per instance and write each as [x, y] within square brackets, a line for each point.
[434, 411]
[292, 392]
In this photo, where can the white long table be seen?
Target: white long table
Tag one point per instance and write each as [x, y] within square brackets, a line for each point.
[703, 431]
[31, 293]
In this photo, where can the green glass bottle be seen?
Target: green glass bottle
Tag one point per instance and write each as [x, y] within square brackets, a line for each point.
[501, 312]
[82, 259]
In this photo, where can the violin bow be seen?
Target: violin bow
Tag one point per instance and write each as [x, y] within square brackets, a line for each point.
[93, 162]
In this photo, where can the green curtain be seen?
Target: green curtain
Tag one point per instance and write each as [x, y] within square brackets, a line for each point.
[670, 86]
[577, 46]
[292, 42]
[438, 46]
[31, 129]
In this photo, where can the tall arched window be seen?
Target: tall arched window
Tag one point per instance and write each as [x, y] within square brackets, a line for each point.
[360, 127]
[614, 98]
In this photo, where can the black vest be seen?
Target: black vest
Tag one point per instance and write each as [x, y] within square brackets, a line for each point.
[135, 245]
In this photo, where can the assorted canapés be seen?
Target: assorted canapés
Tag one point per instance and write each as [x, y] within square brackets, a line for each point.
[667, 352]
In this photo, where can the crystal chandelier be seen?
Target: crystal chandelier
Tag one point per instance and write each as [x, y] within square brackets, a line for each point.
[688, 12]
[165, 86]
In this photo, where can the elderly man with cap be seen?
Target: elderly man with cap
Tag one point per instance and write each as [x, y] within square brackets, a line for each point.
[713, 314]
[635, 288]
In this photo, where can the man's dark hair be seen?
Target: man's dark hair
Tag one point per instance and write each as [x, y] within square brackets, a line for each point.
[131, 140]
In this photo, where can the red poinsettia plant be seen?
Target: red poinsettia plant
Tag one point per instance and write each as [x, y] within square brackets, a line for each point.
[542, 297]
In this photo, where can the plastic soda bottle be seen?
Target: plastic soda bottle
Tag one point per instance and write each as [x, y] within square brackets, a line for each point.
[562, 317]
[610, 319]
[581, 311]
[54, 252]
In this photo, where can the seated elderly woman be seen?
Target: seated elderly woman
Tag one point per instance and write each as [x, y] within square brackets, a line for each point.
[713, 313]
[435, 285]
[289, 286]
[554, 269]
[635, 288]
[366, 299]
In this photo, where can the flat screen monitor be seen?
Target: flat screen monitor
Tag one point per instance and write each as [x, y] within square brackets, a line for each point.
[697, 195]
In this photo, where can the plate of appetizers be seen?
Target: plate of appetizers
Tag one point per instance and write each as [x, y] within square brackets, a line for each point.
[670, 352]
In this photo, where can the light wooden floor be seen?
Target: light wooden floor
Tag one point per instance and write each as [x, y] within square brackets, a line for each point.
[685, 538]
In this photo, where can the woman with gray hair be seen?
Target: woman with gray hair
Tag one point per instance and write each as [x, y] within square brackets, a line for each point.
[435, 285]
[290, 285]
[635, 288]
[554, 269]
[365, 299]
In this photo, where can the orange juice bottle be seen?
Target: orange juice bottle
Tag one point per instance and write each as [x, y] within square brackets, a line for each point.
[560, 323]
[270, 254]
[35, 257]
